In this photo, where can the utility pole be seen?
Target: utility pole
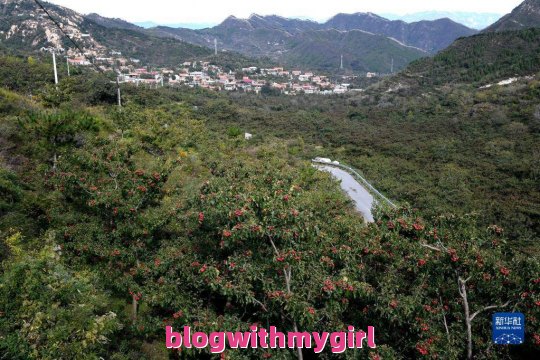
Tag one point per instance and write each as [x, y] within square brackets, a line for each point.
[392, 67]
[54, 66]
[215, 46]
[341, 66]
[67, 63]
[118, 92]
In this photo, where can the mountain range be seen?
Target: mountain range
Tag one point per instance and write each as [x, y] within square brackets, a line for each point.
[365, 41]
[266, 34]
[472, 20]
[305, 42]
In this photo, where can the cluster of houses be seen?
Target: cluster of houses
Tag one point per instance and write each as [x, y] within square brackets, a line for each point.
[129, 70]
[253, 79]
[205, 75]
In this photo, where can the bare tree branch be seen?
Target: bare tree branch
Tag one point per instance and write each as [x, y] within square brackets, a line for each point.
[431, 247]
[261, 304]
[444, 320]
[490, 307]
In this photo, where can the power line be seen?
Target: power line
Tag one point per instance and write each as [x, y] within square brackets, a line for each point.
[78, 47]
[65, 34]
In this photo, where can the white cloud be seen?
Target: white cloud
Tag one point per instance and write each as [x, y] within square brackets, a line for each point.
[214, 11]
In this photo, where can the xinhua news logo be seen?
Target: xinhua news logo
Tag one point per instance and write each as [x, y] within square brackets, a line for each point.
[508, 328]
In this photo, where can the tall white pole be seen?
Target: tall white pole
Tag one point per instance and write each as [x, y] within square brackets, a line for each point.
[67, 62]
[118, 92]
[54, 65]
[215, 46]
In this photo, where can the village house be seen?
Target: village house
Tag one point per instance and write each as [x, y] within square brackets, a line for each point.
[250, 69]
[310, 89]
[105, 60]
[81, 61]
[340, 89]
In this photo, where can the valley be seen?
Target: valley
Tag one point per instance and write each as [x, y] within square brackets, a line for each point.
[163, 183]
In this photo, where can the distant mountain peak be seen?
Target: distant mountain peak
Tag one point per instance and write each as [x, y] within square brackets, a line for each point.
[233, 21]
[526, 15]
[370, 14]
[112, 22]
[430, 36]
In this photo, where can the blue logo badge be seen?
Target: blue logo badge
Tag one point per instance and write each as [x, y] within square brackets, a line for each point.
[508, 328]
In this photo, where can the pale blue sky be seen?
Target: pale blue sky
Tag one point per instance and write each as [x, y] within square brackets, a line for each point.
[214, 11]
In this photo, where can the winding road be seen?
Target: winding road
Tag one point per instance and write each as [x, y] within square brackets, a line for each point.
[363, 194]
[363, 201]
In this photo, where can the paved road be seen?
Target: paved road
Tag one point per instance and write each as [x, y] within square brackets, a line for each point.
[361, 197]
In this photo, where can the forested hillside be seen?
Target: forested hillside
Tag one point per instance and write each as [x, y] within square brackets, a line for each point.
[526, 15]
[115, 222]
[442, 135]
[480, 59]
[361, 52]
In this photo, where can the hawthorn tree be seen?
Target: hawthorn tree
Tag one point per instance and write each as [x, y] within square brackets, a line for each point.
[439, 281]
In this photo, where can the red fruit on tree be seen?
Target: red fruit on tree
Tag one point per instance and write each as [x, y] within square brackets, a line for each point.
[239, 212]
[504, 271]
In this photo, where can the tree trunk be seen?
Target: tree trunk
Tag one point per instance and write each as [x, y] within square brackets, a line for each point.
[287, 275]
[463, 292]
[288, 284]
[134, 305]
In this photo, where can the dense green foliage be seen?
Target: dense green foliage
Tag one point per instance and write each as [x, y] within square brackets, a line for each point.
[25, 77]
[117, 222]
[447, 148]
[49, 310]
[480, 59]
